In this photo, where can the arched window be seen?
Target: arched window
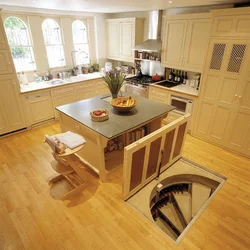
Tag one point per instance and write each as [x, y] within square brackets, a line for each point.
[53, 42]
[20, 44]
[80, 41]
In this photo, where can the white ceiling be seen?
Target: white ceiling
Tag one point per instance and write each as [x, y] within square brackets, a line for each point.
[111, 6]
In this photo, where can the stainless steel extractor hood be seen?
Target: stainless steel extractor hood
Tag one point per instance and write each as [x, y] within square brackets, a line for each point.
[153, 43]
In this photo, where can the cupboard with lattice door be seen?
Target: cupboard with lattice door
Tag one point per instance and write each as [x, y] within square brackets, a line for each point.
[223, 115]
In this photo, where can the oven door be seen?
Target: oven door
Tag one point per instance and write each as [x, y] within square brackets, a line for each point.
[136, 90]
[180, 104]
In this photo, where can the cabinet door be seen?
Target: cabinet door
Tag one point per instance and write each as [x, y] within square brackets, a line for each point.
[38, 107]
[218, 100]
[84, 90]
[101, 88]
[3, 42]
[196, 45]
[173, 42]
[238, 133]
[11, 102]
[113, 39]
[127, 36]
[159, 95]
[5, 65]
[62, 100]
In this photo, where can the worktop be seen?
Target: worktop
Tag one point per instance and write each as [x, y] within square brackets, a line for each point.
[182, 88]
[34, 86]
[118, 123]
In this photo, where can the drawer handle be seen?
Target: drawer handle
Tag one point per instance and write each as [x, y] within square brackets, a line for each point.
[38, 96]
[8, 63]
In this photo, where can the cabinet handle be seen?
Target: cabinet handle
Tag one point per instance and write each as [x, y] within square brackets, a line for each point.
[235, 96]
[14, 83]
[239, 96]
[38, 96]
[8, 63]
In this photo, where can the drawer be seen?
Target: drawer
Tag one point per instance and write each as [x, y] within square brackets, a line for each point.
[83, 86]
[62, 91]
[38, 95]
[159, 93]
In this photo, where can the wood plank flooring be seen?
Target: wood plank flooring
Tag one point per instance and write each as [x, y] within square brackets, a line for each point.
[31, 218]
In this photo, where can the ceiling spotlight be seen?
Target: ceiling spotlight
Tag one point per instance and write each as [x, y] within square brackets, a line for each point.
[169, 1]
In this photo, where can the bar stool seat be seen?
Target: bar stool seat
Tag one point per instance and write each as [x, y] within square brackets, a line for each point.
[66, 165]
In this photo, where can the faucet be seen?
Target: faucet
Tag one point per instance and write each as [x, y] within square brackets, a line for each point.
[73, 52]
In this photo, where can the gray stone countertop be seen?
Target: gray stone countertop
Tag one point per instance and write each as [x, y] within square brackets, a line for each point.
[118, 123]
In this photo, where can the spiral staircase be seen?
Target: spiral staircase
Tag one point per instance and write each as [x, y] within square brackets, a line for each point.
[174, 205]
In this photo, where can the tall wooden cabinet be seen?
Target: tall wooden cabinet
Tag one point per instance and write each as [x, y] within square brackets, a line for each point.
[185, 41]
[223, 115]
[122, 36]
[11, 111]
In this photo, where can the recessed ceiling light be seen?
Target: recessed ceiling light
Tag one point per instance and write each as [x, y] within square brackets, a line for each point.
[170, 1]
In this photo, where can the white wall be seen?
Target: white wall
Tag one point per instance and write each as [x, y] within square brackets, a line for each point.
[34, 18]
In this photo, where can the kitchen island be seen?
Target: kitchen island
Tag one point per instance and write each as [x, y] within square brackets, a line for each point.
[76, 117]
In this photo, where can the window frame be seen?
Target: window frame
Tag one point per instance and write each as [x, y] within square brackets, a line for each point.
[24, 19]
[58, 23]
[85, 22]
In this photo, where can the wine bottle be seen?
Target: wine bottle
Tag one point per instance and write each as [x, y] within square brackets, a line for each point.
[179, 76]
[170, 75]
[176, 76]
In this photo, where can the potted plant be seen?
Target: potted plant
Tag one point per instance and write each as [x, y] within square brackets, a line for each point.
[114, 81]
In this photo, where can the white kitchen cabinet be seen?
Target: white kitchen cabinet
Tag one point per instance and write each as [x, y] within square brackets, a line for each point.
[113, 38]
[231, 23]
[238, 129]
[6, 66]
[223, 111]
[12, 114]
[84, 90]
[159, 94]
[173, 42]
[122, 36]
[61, 96]
[38, 106]
[185, 41]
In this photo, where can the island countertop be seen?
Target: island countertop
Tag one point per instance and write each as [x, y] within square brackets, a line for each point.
[118, 123]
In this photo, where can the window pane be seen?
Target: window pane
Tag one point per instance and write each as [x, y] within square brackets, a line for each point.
[51, 32]
[20, 44]
[79, 32]
[23, 58]
[82, 54]
[55, 56]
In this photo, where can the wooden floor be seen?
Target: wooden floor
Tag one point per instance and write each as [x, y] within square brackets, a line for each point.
[32, 217]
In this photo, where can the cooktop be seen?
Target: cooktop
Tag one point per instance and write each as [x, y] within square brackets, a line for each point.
[168, 84]
[143, 80]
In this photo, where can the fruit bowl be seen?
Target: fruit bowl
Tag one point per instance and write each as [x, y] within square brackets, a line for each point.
[123, 104]
[99, 115]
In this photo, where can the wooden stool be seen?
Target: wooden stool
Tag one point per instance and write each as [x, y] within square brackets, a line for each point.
[67, 165]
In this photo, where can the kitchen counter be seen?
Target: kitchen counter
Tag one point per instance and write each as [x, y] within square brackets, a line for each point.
[182, 88]
[34, 86]
[76, 117]
[118, 123]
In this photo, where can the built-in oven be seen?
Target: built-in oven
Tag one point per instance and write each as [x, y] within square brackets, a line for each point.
[182, 105]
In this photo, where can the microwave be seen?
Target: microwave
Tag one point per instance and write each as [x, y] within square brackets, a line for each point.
[182, 105]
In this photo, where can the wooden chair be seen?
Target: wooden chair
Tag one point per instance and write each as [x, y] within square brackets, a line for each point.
[66, 164]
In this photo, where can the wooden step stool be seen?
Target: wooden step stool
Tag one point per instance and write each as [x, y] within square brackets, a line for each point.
[66, 164]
